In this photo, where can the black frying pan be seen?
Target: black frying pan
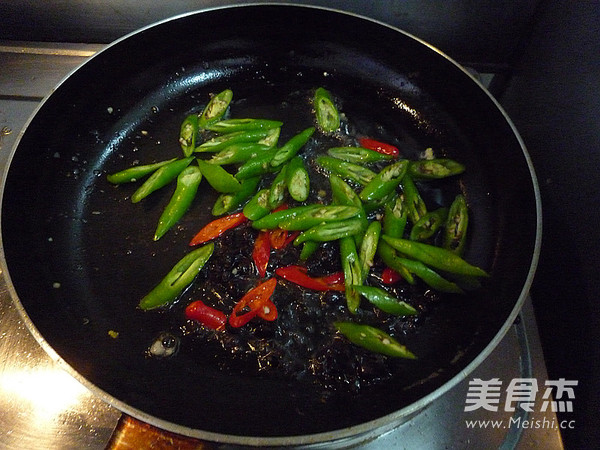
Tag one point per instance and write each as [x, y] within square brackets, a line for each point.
[80, 256]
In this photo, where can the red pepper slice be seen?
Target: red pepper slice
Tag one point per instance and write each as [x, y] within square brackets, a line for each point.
[390, 276]
[217, 227]
[334, 278]
[207, 316]
[262, 252]
[278, 238]
[257, 301]
[378, 146]
[299, 275]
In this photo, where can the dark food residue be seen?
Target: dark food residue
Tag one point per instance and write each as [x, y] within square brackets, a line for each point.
[302, 343]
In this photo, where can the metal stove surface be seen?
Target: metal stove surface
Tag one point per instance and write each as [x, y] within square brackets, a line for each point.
[43, 407]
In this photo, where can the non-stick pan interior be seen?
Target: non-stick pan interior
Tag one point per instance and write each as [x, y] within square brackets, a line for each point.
[80, 255]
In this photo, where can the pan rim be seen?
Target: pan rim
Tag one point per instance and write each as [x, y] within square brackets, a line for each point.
[343, 436]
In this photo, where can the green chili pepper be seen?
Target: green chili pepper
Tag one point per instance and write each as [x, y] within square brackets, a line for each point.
[368, 248]
[352, 272]
[235, 125]
[395, 217]
[346, 170]
[315, 216]
[187, 185]
[270, 140]
[328, 117]
[358, 155]
[430, 277]
[297, 179]
[330, 231]
[308, 249]
[435, 168]
[415, 205]
[160, 178]
[178, 278]
[237, 153]
[257, 166]
[278, 189]
[219, 178]
[135, 173]
[385, 302]
[215, 108]
[275, 218]
[343, 194]
[428, 224]
[218, 143]
[188, 134]
[288, 150]
[228, 202]
[258, 206]
[389, 257]
[435, 257]
[455, 234]
[373, 339]
[385, 182]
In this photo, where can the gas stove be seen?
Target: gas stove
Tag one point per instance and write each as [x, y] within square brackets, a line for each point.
[45, 406]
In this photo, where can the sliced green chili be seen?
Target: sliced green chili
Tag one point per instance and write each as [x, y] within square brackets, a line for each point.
[389, 257]
[430, 277]
[274, 219]
[235, 125]
[346, 170]
[187, 185]
[352, 272]
[315, 216]
[178, 278]
[428, 224]
[297, 179]
[288, 150]
[222, 141]
[328, 117]
[278, 189]
[188, 134]
[435, 257]
[373, 339]
[258, 206]
[455, 232]
[215, 109]
[385, 302]
[414, 202]
[160, 178]
[435, 168]
[226, 203]
[368, 248]
[358, 155]
[136, 173]
[385, 182]
[395, 217]
[219, 178]
[257, 166]
[330, 231]
[237, 153]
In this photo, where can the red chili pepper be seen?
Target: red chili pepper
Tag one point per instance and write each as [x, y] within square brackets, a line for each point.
[278, 238]
[256, 301]
[217, 227]
[207, 316]
[282, 238]
[381, 147]
[262, 252]
[334, 278]
[299, 276]
[390, 276]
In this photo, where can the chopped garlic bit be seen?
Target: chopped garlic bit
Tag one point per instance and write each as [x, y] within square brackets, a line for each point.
[113, 334]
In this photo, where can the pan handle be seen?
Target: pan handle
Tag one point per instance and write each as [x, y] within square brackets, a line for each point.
[132, 433]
